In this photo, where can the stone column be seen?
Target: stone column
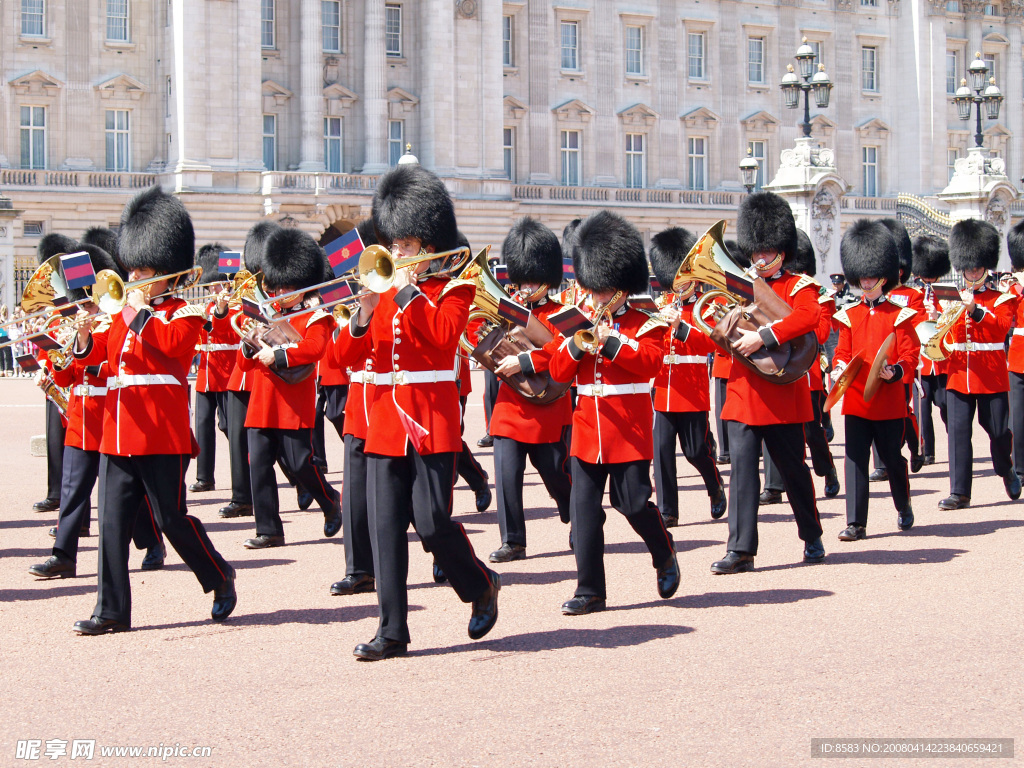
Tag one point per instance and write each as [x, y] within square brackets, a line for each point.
[7, 216]
[1012, 89]
[311, 95]
[375, 91]
[188, 156]
[77, 98]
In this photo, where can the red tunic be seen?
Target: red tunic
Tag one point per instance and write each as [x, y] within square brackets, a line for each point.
[240, 381]
[864, 329]
[977, 363]
[827, 302]
[86, 403]
[217, 349]
[753, 400]
[355, 358]
[681, 385]
[614, 428]
[928, 366]
[331, 374]
[1015, 358]
[522, 419]
[723, 363]
[147, 406]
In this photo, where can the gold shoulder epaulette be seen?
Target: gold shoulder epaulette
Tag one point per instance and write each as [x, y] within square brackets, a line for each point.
[456, 283]
[803, 282]
[653, 321]
[318, 315]
[1007, 296]
[842, 317]
[906, 313]
[189, 310]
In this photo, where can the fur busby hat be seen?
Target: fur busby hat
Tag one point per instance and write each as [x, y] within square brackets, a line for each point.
[52, 244]
[410, 201]
[1015, 245]
[608, 254]
[156, 232]
[868, 250]
[902, 238]
[931, 257]
[256, 242]
[668, 249]
[532, 254]
[208, 258]
[737, 255]
[293, 258]
[765, 223]
[100, 260]
[804, 262]
[366, 232]
[105, 238]
[973, 243]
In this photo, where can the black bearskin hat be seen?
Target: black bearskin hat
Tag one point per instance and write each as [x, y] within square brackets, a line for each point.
[765, 223]
[1015, 245]
[156, 232]
[668, 249]
[804, 262]
[532, 254]
[737, 255]
[293, 258]
[208, 258]
[931, 257]
[256, 242]
[410, 201]
[973, 243]
[105, 238]
[608, 254]
[868, 250]
[366, 232]
[902, 238]
[52, 244]
[100, 260]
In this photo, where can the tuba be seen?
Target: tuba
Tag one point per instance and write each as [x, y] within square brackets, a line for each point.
[709, 261]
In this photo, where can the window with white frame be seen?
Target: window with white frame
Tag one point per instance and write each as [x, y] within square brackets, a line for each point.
[270, 142]
[508, 150]
[869, 3]
[330, 25]
[819, 52]
[33, 137]
[33, 18]
[570, 42]
[992, 9]
[636, 163]
[393, 29]
[755, 60]
[869, 171]
[695, 55]
[570, 151]
[117, 21]
[118, 140]
[952, 155]
[991, 61]
[697, 161]
[508, 50]
[332, 144]
[267, 24]
[868, 68]
[634, 50]
[758, 149]
[396, 141]
[952, 71]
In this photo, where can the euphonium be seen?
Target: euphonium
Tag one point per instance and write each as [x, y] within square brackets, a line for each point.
[110, 292]
[933, 332]
[489, 294]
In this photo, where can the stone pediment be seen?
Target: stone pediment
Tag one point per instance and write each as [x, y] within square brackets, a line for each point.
[701, 118]
[574, 111]
[121, 87]
[338, 92]
[761, 122]
[997, 130]
[36, 82]
[638, 114]
[822, 124]
[873, 129]
[274, 94]
[514, 108]
[996, 39]
[403, 97]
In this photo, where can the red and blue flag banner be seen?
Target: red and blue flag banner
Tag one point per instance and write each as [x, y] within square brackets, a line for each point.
[78, 270]
[945, 292]
[45, 342]
[568, 270]
[501, 273]
[339, 292]
[230, 262]
[28, 363]
[63, 306]
[514, 313]
[343, 253]
[569, 320]
[252, 309]
[643, 301]
[739, 286]
[655, 284]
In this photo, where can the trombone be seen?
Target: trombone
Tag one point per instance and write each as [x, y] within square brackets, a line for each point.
[110, 293]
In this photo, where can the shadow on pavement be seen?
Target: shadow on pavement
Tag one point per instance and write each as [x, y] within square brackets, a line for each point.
[337, 615]
[954, 530]
[885, 557]
[734, 599]
[43, 593]
[43, 521]
[544, 577]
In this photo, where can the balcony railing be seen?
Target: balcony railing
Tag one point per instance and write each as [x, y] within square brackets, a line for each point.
[850, 202]
[82, 179]
[556, 193]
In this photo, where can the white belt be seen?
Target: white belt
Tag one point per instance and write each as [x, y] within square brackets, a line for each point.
[604, 390]
[1018, 331]
[361, 377]
[412, 377]
[972, 346]
[218, 347]
[679, 359]
[87, 390]
[120, 382]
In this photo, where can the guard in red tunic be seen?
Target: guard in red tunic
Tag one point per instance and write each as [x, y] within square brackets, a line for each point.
[1015, 358]
[147, 444]
[977, 369]
[521, 427]
[871, 261]
[682, 397]
[218, 345]
[931, 262]
[720, 367]
[612, 440]
[414, 434]
[282, 408]
[758, 410]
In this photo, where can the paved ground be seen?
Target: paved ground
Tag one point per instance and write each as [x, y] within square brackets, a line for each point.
[914, 634]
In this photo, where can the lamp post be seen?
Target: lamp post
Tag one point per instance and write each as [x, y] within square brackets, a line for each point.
[748, 171]
[808, 80]
[990, 96]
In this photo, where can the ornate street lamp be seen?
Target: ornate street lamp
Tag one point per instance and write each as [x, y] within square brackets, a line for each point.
[989, 95]
[748, 171]
[808, 80]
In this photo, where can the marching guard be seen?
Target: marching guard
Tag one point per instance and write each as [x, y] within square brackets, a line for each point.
[931, 262]
[1015, 357]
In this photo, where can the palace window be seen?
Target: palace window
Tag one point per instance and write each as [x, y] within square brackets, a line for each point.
[118, 141]
[869, 171]
[33, 18]
[270, 142]
[755, 60]
[330, 25]
[570, 151]
[267, 29]
[695, 52]
[393, 30]
[332, 144]
[33, 137]
[396, 141]
[697, 161]
[117, 21]
[570, 31]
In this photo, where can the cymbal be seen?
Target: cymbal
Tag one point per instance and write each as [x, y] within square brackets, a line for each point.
[844, 381]
[881, 358]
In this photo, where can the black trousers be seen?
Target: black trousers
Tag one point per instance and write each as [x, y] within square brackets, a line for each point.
[158, 481]
[6, 357]
[887, 437]
[211, 415]
[418, 490]
[491, 384]
[238, 448]
[294, 449]
[933, 388]
[817, 444]
[629, 491]
[722, 428]
[551, 460]
[993, 415]
[330, 404]
[355, 515]
[785, 445]
[693, 431]
[469, 468]
[55, 433]
[1017, 420]
[909, 433]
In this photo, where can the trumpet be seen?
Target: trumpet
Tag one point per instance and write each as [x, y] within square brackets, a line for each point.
[586, 339]
[375, 272]
[110, 292]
